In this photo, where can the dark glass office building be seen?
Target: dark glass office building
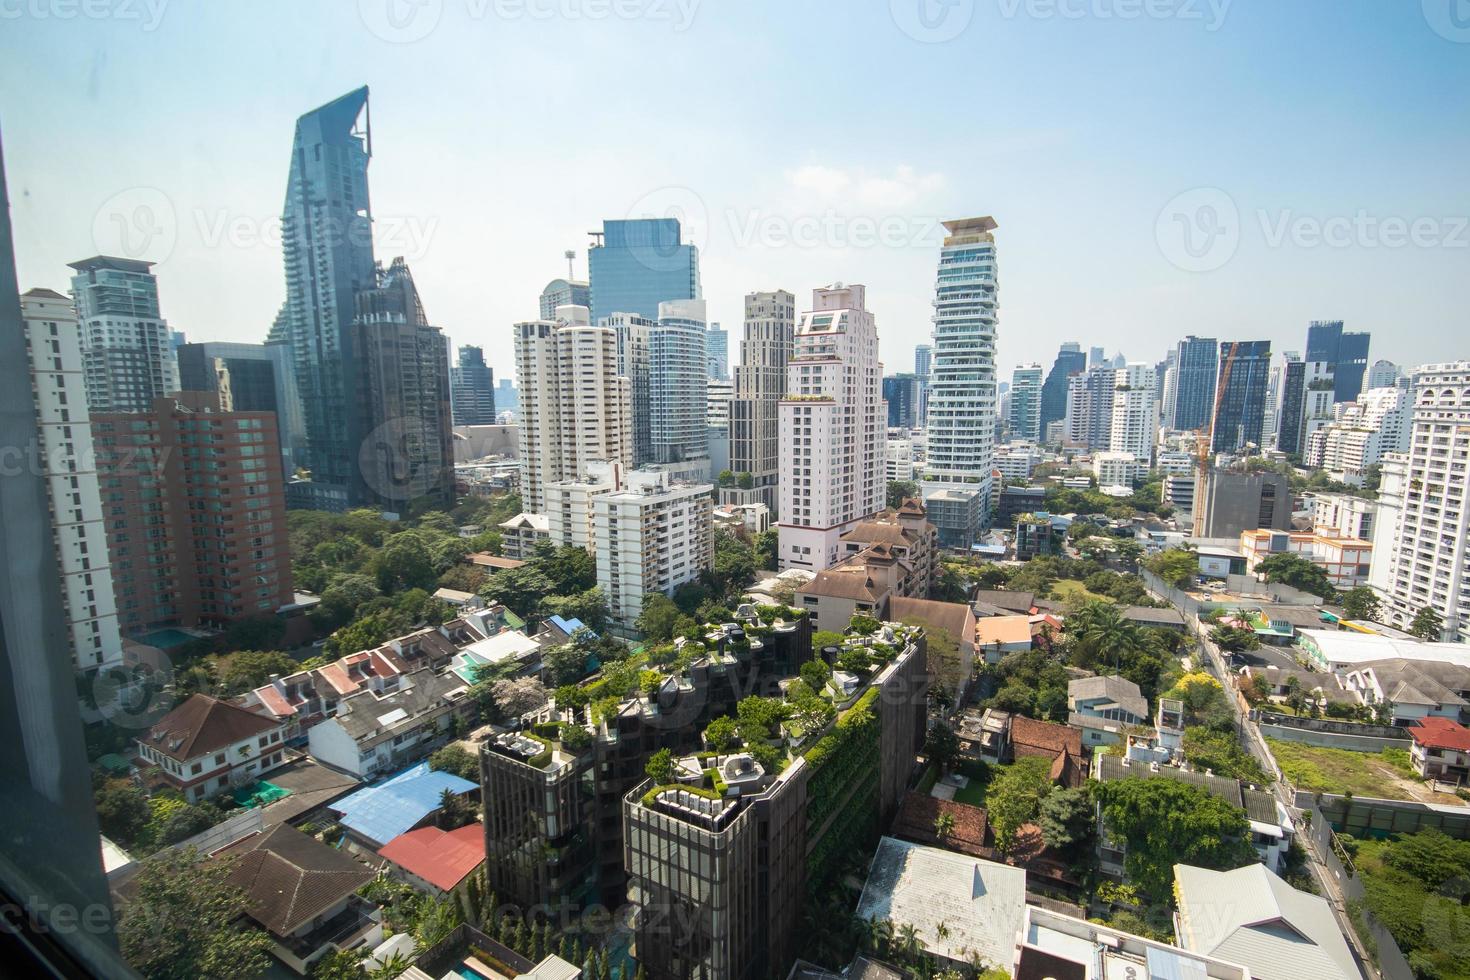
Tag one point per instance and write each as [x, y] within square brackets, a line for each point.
[1347, 352]
[1070, 360]
[474, 388]
[1245, 367]
[901, 392]
[1289, 416]
[1196, 367]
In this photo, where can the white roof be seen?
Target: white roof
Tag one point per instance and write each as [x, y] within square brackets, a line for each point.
[979, 903]
[1251, 917]
[1351, 649]
[504, 645]
[552, 968]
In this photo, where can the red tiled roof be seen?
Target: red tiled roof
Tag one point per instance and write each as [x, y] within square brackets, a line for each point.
[336, 676]
[275, 702]
[919, 812]
[442, 859]
[202, 725]
[1440, 733]
[1032, 737]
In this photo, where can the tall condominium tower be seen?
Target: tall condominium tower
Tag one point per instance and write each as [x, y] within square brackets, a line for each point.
[1090, 407]
[1095, 357]
[638, 264]
[1427, 554]
[474, 388]
[408, 452]
[717, 344]
[962, 410]
[1196, 367]
[1241, 405]
[1346, 352]
[1135, 424]
[1025, 415]
[574, 405]
[327, 242]
[53, 341]
[196, 505]
[1070, 360]
[832, 428]
[249, 378]
[923, 362]
[678, 383]
[127, 348]
[1288, 404]
[901, 394]
[1384, 374]
[564, 292]
[760, 381]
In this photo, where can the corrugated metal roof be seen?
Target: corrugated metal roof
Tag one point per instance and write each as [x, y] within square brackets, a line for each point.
[382, 812]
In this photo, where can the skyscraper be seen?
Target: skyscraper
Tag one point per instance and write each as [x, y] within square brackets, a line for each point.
[760, 381]
[1425, 524]
[327, 241]
[564, 292]
[1025, 413]
[1090, 407]
[1196, 369]
[474, 388]
[1384, 374]
[1289, 414]
[407, 454]
[923, 362]
[69, 463]
[574, 405]
[1096, 357]
[1346, 352]
[962, 410]
[901, 393]
[717, 351]
[127, 347]
[678, 383]
[832, 428]
[1070, 360]
[638, 264]
[1135, 423]
[1241, 405]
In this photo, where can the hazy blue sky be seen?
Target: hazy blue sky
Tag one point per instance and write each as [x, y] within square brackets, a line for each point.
[1322, 150]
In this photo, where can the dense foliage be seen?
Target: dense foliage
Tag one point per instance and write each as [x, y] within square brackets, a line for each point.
[1165, 823]
[1417, 886]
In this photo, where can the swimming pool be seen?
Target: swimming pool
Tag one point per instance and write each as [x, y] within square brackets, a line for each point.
[469, 972]
[165, 638]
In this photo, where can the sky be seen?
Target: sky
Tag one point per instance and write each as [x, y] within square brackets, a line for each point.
[1223, 168]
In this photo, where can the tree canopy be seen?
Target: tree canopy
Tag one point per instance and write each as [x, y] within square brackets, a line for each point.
[1165, 823]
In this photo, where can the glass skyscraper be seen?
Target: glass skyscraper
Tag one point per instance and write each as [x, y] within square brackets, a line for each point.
[327, 241]
[473, 384]
[1196, 367]
[962, 410]
[1070, 360]
[640, 263]
[1346, 352]
[1245, 367]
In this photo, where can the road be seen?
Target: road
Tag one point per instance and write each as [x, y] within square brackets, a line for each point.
[1250, 737]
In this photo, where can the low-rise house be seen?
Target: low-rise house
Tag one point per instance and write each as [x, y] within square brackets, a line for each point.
[373, 733]
[954, 619]
[910, 538]
[1441, 749]
[996, 636]
[458, 599]
[304, 895]
[1344, 560]
[1313, 684]
[1341, 651]
[1251, 917]
[1007, 602]
[1167, 618]
[861, 583]
[959, 906]
[375, 815]
[1038, 534]
[436, 861]
[206, 746]
[1413, 690]
[1059, 947]
[491, 563]
[520, 535]
[1102, 708]
[1271, 829]
[1060, 743]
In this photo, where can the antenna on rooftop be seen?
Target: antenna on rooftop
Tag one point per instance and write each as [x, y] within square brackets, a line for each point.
[570, 255]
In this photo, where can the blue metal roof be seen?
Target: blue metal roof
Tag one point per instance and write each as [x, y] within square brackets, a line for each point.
[396, 805]
[568, 626]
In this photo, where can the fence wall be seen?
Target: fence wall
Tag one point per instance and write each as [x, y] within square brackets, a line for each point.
[1330, 733]
[1363, 816]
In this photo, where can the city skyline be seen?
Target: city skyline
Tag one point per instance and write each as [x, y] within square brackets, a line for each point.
[214, 179]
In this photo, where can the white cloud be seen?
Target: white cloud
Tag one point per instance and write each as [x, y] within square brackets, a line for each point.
[902, 188]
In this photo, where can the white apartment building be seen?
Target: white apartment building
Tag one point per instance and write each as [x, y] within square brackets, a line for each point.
[898, 458]
[1359, 435]
[1135, 424]
[1430, 565]
[1025, 407]
[1175, 461]
[652, 536]
[1016, 460]
[1178, 492]
[833, 428]
[1317, 399]
[1117, 469]
[718, 395]
[58, 382]
[569, 504]
[127, 348]
[1339, 513]
[962, 399]
[575, 408]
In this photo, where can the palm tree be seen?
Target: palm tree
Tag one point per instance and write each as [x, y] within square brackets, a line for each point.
[908, 942]
[395, 964]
